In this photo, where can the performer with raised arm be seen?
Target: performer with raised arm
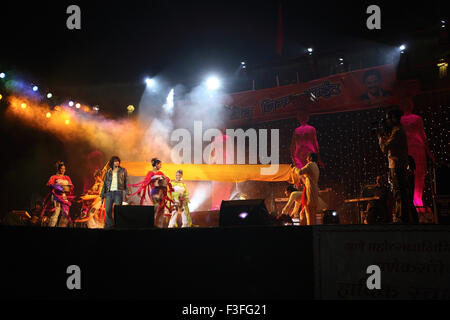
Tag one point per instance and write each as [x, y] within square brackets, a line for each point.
[180, 196]
[157, 186]
[61, 192]
[115, 184]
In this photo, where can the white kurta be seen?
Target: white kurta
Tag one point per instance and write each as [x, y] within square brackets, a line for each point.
[311, 179]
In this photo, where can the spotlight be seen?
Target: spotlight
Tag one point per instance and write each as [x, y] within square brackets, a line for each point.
[96, 108]
[78, 106]
[341, 59]
[402, 48]
[242, 63]
[70, 103]
[48, 114]
[243, 215]
[49, 95]
[130, 109]
[23, 105]
[2, 75]
[150, 82]
[330, 217]
[310, 50]
[1, 97]
[67, 122]
[35, 88]
[213, 83]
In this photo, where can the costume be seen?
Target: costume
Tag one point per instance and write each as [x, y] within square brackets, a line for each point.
[60, 195]
[304, 141]
[295, 197]
[156, 186]
[416, 137]
[180, 197]
[310, 197]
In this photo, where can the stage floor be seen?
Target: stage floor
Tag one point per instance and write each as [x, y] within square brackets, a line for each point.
[318, 262]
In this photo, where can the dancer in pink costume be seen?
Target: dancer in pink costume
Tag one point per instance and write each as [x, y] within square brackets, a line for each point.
[417, 146]
[304, 141]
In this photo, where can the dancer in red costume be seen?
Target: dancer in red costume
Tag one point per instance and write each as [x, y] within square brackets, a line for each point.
[61, 192]
[156, 186]
[417, 146]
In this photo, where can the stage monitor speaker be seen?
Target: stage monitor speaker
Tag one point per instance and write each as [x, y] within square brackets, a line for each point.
[134, 216]
[244, 213]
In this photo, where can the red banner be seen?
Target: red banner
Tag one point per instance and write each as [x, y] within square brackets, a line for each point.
[362, 89]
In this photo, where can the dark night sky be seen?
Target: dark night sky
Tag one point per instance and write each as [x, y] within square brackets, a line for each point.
[122, 42]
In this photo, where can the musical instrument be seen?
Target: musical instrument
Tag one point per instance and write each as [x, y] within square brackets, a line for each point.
[361, 199]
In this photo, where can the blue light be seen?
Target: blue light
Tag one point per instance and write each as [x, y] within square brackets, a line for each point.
[35, 88]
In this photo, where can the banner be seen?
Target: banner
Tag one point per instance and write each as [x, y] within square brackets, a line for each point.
[361, 89]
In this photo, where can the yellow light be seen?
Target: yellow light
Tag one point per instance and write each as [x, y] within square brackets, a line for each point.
[23, 105]
[86, 109]
[78, 106]
[48, 114]
[130, 108]
[67, 121]
[1, 97]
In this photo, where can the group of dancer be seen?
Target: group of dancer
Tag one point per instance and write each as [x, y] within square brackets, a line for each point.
[169, 197]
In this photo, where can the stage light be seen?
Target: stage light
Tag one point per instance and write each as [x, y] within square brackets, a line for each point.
[150, 82]
[341, 59]
[130, 108]
[213, 83]
[96, 108]
[48, 114]
[2, 75]
[49, 95]
[67, 121]
[330, 217]
[70, 103]
[243, 215]
[23, 105]
[243, 63]
[35, 88]
[78, 106]
[402, 48]
[1, 97]
[310, 50]
[57, 108]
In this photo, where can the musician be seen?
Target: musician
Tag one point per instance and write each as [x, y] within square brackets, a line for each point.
[35, 214]
[295, 196]
[180, 197]
[61, 190]
[394, 143]
[114, 186]
[377, 210]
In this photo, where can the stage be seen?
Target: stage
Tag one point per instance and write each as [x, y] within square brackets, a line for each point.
[227, 263]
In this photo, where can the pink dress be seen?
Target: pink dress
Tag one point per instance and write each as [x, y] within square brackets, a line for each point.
[305, 142]
[415, 133]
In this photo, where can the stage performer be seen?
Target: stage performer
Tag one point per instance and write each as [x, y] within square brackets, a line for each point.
[304, 141]
[295, 196]
[157, 186]
[418, 147]
[394, 143]
[310, 196]
[115, 184]
[93, 208]
[180, 197]
[61, 192]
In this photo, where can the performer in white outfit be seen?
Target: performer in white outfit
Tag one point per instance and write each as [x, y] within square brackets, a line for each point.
[310, 198]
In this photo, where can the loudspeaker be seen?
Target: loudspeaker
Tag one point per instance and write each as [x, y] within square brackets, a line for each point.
[134, 216]
[244, 213]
